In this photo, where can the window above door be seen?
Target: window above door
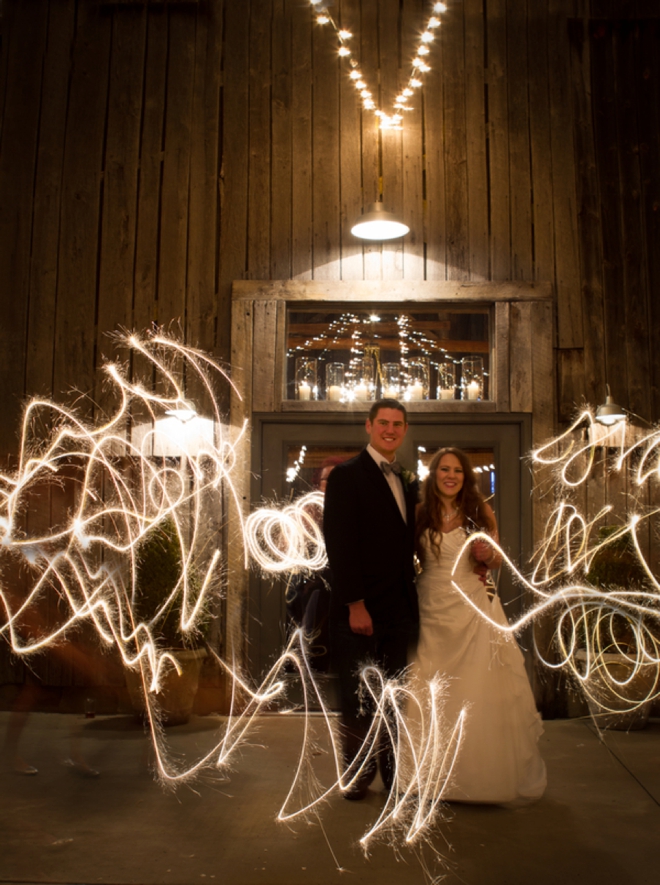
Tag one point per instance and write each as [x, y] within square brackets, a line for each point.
[355, 354]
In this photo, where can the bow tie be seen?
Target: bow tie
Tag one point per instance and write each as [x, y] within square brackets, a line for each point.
[388, 468]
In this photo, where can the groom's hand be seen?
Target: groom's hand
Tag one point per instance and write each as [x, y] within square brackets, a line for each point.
[359, 618]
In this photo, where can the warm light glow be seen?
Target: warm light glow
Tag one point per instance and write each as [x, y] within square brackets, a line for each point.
[418, 66]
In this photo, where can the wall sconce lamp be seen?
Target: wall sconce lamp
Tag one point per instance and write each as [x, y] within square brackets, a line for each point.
[609, 412]
[378, 224]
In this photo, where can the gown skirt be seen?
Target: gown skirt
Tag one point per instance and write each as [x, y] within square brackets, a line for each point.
[483, 670]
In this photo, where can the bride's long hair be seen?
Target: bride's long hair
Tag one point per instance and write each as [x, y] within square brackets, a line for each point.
[469, 501]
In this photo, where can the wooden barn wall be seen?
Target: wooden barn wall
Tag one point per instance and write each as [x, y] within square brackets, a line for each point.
[152, 153]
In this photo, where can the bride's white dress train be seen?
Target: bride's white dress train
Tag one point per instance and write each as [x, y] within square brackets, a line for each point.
[498, 760]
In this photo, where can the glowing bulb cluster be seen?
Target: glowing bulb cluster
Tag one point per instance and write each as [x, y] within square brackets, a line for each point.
[419, 65]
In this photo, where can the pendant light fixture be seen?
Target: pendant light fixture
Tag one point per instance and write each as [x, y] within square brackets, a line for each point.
[609, 412]
[378, 224]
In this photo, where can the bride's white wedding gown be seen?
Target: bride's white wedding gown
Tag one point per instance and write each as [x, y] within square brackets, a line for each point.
[498, 760]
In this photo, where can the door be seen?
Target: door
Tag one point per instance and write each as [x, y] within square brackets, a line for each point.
[288, 453]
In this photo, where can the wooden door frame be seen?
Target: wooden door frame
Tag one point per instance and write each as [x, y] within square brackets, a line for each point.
[523, 378]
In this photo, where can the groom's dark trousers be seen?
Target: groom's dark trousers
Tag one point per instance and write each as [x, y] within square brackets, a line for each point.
[370, 550]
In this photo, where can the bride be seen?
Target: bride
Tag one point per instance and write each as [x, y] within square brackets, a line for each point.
[481, 667]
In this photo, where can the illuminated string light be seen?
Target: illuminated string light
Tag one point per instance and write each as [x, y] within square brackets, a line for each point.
[418, 65]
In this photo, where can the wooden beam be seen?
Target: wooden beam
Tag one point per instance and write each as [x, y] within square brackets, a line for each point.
[390, 290]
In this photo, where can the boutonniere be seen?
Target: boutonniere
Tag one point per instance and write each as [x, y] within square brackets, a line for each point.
[407, 478]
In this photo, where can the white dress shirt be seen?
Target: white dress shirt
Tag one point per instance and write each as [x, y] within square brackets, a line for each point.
[393, 481]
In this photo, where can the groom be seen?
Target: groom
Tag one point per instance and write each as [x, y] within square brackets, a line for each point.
[369, 527]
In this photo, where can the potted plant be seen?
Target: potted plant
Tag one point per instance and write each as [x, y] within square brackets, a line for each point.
[158, 572]
[619, 685]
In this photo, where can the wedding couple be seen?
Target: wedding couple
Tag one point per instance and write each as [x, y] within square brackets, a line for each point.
[370, 516]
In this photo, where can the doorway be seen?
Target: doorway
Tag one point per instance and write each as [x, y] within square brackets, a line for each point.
[497, 444]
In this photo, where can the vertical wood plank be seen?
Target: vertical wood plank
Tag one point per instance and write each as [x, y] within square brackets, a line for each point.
[569, 305]
[120, 173]
[234, 183]
[584, 375]
[648, 92]
[145, 309]
[371, 166]
[259, 172]
[500, 357]
[173, 242]
[453, 79]
[389, 36]
[498, 143]
[434, 164]
[24, 37]
[414, 11]
[282, 158]
[301, 89]
[201, 298]
[325, 154]
[241, 411]
[350, 157]
[540, 139]
[75, 333]
[570, 383]
[521, 348]
[263, 371]
[633, 247]
[519, 141]
[47, 197]
[280, 353]
[477, 169]
[604, 110]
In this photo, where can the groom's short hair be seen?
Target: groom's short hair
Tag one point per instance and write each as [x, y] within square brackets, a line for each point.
[387, 404]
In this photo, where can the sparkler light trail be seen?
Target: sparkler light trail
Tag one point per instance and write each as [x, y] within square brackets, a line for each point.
[134, 474]
[607, 637]
[142, 468]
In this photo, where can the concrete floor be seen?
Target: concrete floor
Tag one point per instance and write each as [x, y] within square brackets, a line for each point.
[599, 821]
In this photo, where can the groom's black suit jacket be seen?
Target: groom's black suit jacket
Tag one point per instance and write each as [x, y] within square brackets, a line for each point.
[370, 547]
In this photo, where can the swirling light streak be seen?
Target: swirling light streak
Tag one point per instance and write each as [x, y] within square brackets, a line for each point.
[288, 539]
[588, 620]
[122, 494]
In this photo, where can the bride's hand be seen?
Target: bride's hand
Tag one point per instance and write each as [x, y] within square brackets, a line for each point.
[481, 551]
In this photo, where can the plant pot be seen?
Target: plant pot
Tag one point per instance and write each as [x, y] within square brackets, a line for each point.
[177, 692]
[610, 702]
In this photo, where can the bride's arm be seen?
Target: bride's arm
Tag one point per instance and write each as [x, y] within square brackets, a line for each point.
[484, 552]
